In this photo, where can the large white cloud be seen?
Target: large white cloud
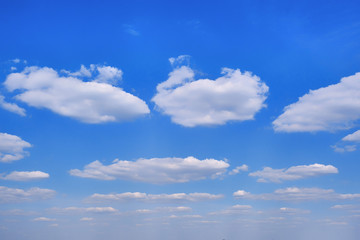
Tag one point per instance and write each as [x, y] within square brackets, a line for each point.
[14, 195]
[235, 96]
[91, 101]
[297, 194]
[326, 109]
[293, 173]
[24, 175]
[155, 170]
[12, 147]
[175, 197]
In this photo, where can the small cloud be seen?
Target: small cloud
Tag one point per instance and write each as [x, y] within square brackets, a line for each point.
[25, 176]
[86, 219]
[11, 107]
[131, 30]
[16, 60]
[44, 219]
[242, 168]
[346, 148]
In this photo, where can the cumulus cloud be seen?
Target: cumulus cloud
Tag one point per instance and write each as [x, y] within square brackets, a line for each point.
[353, 137]
[11, 107]
[14, 195]
[12, 147]
[293, 173]
[326, 109]
[297, 194]
[242, 168]
[155, 170]
[175, 197]
[236, 96]
[92, 101]
[24, 176]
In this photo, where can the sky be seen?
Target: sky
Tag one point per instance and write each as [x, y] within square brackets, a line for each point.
[179, 120]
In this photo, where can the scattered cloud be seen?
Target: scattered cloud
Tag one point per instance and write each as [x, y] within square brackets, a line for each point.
[294, 211]
[77, 210]
[293, 173]
[11, 107]
[131, 196]
[155, 170]
[297, 194]
[12, 147]
[344, 148]
[24, 176]
[235, 96]
[242, 168]
[16, 60]
[330, 108]
[14, 195]
[86, 219]
[92, 101]
[236, 209]
[43, 219]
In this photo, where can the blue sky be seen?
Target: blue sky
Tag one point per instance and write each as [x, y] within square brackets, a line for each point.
[148, 120]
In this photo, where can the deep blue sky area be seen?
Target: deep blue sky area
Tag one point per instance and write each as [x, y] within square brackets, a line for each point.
[179, 120]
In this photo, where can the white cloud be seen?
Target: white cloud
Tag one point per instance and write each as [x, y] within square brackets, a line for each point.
[43, 219]
[94, 101]
[155, 170]
[293, 173]
[180, 60]
[293, 211]
[344, 148]
[12, 147]
[236, 209]
[242, 168]
[354, 137]
[131, 196]
[11, 107]
[24, 176]
[326, 109]
[297, 194]
[14, 195]
[235, 96]
[84, 210]
[131, 30]
[86, 219]
[16, 60]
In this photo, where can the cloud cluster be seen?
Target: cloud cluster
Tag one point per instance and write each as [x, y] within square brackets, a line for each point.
[155, 170]
[297, 194]
[236, 96]
[175, 197]
[326, 109]
[293, 173]
[65, 93]
[14, 195]
[12, 147]
[25, 176]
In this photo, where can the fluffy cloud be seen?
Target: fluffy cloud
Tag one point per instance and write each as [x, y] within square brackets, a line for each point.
[24, 176]
[175, 197]
[93, 101]
[11, 107]
[235, 96]
[326, 109]
[12, 147]
[293, 173]
[14, 195]
[297, 194]
[239, 169]
[155, 170]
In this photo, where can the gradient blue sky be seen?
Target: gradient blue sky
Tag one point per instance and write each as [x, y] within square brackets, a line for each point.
[285, 114]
